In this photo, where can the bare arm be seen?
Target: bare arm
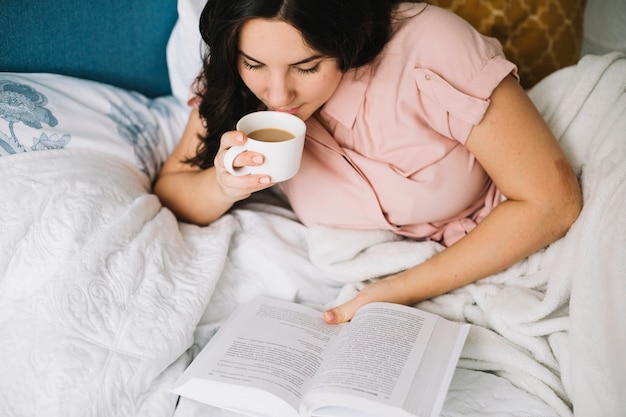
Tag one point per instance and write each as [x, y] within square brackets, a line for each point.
[520, 154]
[201, 196]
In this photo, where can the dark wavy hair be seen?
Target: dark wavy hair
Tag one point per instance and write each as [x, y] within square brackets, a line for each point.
[352, 31]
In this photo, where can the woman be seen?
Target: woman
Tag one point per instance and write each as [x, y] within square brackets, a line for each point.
[415, 123]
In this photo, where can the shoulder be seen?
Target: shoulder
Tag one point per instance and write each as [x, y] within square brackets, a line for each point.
[426, 36]
[424, 27]
[415, 17]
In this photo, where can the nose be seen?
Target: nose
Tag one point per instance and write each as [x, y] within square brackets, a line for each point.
[280, 92]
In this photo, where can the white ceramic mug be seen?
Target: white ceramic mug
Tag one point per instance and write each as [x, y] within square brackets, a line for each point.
[282, 157]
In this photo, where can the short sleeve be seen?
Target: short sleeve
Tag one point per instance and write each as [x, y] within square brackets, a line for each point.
[455, 70]
[450, 111]
[447, 110]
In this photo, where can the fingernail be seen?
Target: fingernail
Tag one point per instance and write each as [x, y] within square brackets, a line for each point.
[329, 316]
[239, 138]
[257, 159]
[264, 180]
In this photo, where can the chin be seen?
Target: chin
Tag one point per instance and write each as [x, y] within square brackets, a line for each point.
[304, 115]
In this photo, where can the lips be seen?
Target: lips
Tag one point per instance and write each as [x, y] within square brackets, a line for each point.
[290, 111]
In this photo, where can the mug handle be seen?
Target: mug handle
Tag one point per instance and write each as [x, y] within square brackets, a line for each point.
[229, 158]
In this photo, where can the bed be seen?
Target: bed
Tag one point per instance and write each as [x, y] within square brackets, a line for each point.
[105, 297]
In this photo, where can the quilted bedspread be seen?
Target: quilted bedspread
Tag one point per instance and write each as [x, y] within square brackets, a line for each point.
[105, 298]
[100, 291]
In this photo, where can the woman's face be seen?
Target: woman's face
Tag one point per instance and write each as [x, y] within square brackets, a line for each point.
[282, 71]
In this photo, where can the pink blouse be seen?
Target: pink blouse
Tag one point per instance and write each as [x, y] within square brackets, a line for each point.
[394, 157]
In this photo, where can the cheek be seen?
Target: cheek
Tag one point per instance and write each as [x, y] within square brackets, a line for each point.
[251, 81]
[328, 85]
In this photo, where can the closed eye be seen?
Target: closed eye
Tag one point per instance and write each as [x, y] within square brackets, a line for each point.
[246, 63]
[304, 71]
[311, 70]
[249, 66]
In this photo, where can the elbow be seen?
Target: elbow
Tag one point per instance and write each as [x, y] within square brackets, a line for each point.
[565, 197]
[567, 207]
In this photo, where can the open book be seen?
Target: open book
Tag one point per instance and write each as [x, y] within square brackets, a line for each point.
[280, 359]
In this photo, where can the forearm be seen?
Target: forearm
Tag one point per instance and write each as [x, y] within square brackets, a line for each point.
[513, 231]
[524, 160]
[193, 196]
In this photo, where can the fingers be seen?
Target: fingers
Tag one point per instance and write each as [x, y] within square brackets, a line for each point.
[345, 312]
[247, 158]
[239, 187]
[394, 289]
[342, 313]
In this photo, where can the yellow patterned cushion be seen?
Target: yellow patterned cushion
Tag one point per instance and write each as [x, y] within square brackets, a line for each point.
[540, 36]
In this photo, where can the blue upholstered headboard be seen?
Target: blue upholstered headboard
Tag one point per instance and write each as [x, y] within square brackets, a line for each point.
[119, 42]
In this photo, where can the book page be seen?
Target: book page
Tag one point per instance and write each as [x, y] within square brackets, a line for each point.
[268, 344]
[377, 356]
[434, 374]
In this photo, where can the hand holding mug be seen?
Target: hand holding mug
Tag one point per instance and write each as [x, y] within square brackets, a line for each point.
[278, 136]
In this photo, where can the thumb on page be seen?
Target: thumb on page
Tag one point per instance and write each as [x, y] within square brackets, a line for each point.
[343, 312]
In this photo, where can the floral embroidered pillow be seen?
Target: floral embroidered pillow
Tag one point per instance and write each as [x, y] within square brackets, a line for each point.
[41, 112]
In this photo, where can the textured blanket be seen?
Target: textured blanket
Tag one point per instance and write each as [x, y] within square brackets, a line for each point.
[555, 323]
[105, 298]
[100, 291]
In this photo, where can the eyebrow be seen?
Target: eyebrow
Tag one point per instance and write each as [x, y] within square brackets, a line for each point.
[304, 61]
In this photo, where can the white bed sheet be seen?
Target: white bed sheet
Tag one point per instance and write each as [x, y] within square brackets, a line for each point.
[103, 292]
[105, 298]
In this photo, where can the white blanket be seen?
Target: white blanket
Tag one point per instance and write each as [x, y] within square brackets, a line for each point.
[554, 324]
[100, 292]
[105, 298]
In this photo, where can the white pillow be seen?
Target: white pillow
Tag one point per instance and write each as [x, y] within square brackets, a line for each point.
[185, 48]
[604, 27]
[49, 111]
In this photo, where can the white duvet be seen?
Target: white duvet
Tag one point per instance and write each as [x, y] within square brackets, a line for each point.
[105, 298]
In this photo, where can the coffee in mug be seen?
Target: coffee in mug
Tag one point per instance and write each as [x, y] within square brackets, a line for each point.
[278, 136]
[271, 135]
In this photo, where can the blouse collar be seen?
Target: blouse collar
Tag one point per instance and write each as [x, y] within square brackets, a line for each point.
[345, 103]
